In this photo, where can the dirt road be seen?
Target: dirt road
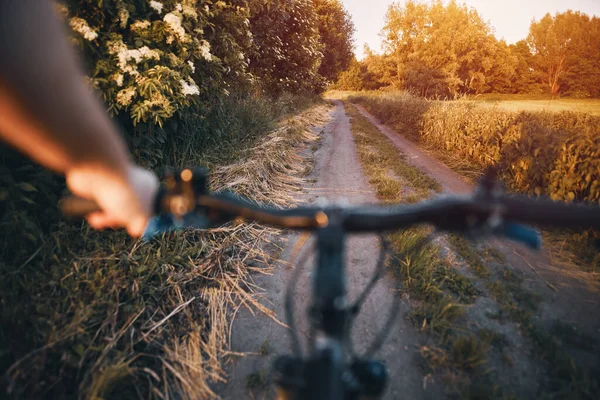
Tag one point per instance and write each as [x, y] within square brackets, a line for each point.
[337, 176]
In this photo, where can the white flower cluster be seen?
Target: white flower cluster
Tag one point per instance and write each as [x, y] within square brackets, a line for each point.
[189, 88]
[157, 5]
[125, 55]
[118, 78]
[140, 25]
[205, 50]
[189, 12]
[192, 66]
[81, 26]
[158, 101]
[125, 96]
[174, 23]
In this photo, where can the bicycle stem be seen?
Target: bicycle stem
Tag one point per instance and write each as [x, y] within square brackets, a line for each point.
[328, 311]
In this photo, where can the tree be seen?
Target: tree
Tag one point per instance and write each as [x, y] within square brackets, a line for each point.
[524, 79]
[336, 30]
[582, 79]
[557, 42]
[357, 77]
[498, 68]
[382, 70]
[287, 49]
[445, 49]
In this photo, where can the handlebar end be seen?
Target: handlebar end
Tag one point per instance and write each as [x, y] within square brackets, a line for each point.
[526, 235]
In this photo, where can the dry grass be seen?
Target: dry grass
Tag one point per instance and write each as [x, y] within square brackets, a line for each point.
[128, 319]
[550, 105]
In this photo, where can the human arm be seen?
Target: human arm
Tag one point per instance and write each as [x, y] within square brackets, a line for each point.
[48, 112]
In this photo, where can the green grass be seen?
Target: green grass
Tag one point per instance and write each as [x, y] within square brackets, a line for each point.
[469, 352]
[554, 346]
[383, 164]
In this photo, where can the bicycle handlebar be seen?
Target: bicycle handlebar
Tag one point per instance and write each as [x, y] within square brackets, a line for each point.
[449, 213]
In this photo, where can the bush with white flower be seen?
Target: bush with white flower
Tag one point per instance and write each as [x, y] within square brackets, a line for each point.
[151, 59]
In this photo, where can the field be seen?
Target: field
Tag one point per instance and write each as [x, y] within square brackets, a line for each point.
[552, 154]
[557, 105]
[532, 103]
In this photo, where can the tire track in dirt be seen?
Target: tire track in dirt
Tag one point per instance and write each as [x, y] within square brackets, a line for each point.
[336, 176]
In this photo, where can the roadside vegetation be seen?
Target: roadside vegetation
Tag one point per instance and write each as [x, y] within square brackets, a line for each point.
[550, 154]
[440, 291]
[105, 316]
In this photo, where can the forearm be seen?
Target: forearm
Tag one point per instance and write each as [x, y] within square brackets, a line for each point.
[46, 109]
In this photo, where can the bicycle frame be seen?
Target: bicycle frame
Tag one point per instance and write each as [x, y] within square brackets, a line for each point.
[327, 374]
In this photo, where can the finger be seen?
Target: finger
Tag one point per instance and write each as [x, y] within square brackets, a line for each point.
[136, 226]
[100, 220]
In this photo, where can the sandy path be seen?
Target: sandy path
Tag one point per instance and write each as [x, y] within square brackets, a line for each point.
[337, 176]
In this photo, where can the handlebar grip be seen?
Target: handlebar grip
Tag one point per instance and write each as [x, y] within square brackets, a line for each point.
[77, 207]
[523, 234]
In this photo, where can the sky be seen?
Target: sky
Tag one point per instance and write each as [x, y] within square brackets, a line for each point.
[510, 19]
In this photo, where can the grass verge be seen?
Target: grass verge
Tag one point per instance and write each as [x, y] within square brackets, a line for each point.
[559, 347]
[98, 315]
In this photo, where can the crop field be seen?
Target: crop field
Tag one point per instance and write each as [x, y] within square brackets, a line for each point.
[552, 154]
[591, 106]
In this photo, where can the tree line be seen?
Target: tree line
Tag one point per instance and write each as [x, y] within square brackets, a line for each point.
[446, 50]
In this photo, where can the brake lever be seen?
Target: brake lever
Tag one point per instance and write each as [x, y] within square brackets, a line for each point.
[198, 218]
